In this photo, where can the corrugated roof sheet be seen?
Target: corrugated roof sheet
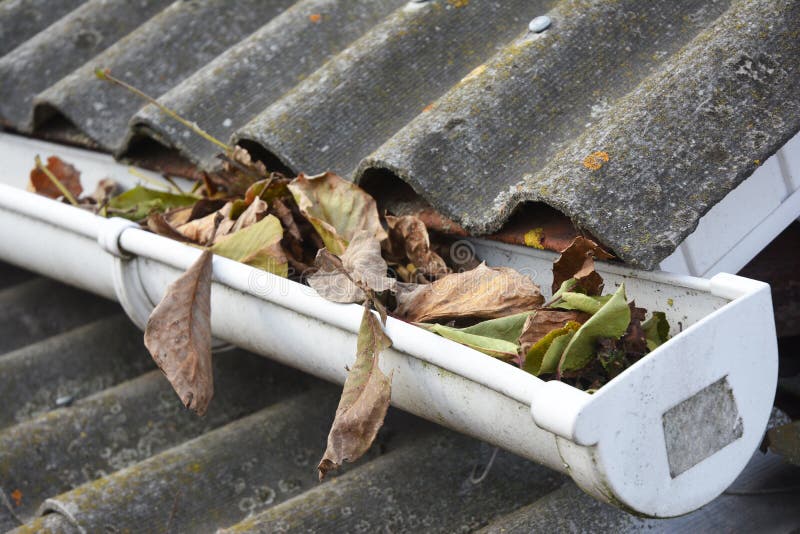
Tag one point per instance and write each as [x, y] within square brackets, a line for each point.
[632, 118]
[93, 439]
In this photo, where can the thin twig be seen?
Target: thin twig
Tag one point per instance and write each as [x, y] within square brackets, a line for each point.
[53, 178]
[142, 176]
[105, 74]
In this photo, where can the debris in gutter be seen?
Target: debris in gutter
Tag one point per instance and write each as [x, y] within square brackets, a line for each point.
[327, 232]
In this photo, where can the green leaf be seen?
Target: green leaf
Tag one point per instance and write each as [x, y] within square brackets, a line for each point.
[567, 285]
[336, 208]
[610, 321]
[656, 330]
[137, 203]
[581, 302]
[258, 245]
[497, 348]
[544, 355]
[507, 328]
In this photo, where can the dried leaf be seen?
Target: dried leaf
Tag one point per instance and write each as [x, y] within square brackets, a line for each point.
[656, 330]
[105, 190]
[544, 321]
[361, 264]
[202, 231]
[178, 335]
[68, 175]
[365, 399]
[610, 321]
[258, 245]
[336, 208]
[409, 240]
[497, 348]
[543, 356]
[256, 211]
[158, 224]
[269, 189]
[577, 261]
[138, 202]
[482, 293]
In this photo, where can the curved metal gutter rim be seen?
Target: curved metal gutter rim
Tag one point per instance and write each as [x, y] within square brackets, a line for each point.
[425, 346]
[49, 211]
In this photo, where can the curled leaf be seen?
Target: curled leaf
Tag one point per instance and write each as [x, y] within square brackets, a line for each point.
[610, 321]
[577, 261]
[543, 321]
[178, 335]
[581, 302]
[203, 230]
[66, 174]
[656, 330]
[365, 399]
[361, 266]
[158, 224]
[543, 356]
[482, 293]
[408, 239]
[336, 208]
[258, 245]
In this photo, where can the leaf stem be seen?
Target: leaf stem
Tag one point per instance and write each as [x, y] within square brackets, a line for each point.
[142, 176]
[53, 178]
[105, 74]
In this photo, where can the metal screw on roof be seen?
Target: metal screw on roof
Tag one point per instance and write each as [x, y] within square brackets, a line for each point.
[540, 24]
[64, 400]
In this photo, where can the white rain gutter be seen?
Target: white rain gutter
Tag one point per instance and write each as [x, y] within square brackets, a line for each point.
[662, 439]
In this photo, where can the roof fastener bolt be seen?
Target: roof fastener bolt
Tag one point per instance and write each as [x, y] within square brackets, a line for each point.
[64, 400]
[540, 24]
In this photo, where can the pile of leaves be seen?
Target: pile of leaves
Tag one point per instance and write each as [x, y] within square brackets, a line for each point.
[327, 232]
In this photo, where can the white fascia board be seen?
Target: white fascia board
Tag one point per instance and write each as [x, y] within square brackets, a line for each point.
[736, 229]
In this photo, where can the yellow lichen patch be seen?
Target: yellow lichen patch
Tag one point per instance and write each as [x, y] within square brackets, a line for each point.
[458, 3]
[315, 17]
[195, 467]
[595, 160]
[533, 238]
[427, 108]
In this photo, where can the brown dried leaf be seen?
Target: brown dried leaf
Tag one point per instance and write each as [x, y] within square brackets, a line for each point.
[68, 175]
[577, 261]
[178, 335]
[336, 208]
[544, 321]
[202, 231]
[158, 224]
[482, 293]
[361, 265]
[365, 399]
[105, 190]
[408, 239]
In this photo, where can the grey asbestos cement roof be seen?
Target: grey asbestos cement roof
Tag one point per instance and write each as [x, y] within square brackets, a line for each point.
[633, 118]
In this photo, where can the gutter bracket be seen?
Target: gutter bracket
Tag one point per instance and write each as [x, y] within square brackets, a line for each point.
[125, 272]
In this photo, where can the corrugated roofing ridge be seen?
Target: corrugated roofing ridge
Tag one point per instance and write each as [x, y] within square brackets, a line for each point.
[232, 90]
[175, 34]
[62, 47]
[363, 95]
[583, 164]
